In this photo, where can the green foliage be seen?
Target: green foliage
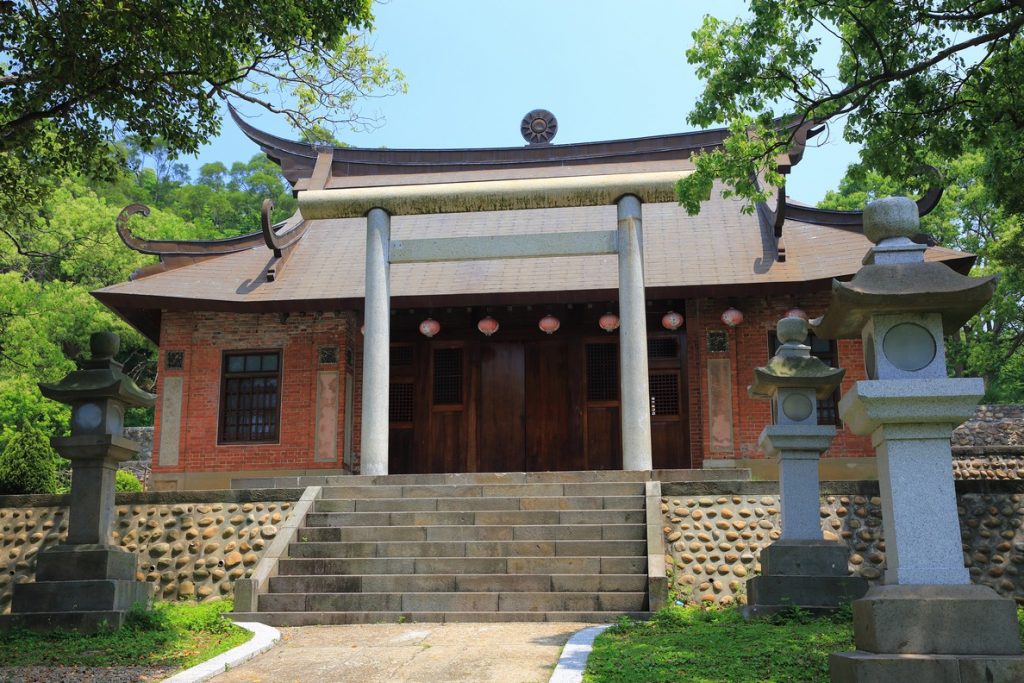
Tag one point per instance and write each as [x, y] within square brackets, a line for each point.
[914, 82]
[126, 482]
[990, 345]
[171, 634]
[711, 645]
[28, 464]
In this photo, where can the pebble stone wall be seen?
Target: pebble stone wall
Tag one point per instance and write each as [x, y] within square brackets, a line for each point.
[714, 536]
[188, 550]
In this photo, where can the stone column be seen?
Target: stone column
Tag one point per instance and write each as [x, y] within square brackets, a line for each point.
[376, 344]
[634, 392]
[87, 582]
[902, 307]
[800, 569]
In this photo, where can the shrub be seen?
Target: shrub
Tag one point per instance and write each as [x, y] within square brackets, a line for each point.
[27, 463]
[127, 482]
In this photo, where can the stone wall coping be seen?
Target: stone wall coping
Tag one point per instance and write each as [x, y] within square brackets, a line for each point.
[828, 488]
[281, 495]
[657, 581]
[247, 590]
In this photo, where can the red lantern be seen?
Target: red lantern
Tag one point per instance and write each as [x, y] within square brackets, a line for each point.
[549, 324]
[609, 322]
[732, 317]
[362, 330]
[487, 326]
[672, 321]
[429, 327]
[796, 313]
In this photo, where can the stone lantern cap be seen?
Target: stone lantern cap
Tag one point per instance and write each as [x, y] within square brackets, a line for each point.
[793, 366]
[100, 377]
[896, 279]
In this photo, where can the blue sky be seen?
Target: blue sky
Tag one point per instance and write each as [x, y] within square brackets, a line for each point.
[606, 69]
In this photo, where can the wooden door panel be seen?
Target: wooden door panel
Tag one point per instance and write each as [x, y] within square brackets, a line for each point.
[604, 438]
[668, 446]
[447, 437]
[500, 421]
[549, 410]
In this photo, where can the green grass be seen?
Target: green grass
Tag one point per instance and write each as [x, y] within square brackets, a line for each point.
[708, 645]
[171, 634]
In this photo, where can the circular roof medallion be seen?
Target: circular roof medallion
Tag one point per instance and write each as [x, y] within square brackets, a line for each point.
[539, 127]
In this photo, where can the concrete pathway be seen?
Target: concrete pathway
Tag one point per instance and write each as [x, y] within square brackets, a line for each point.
[410, 653]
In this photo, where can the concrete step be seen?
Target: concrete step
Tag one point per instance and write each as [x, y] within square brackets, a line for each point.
[419, 583]
[464, 565]
[495, 532]
[434, 601]
[338, 618]
[423, 549]
[633, 502]
[484, 490]
[477, 478]
[475, 517]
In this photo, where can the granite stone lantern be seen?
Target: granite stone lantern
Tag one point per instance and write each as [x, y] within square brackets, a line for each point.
[801, 568]
[927, 622]
[87, 582]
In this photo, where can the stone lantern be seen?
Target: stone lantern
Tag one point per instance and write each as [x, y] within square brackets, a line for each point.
[928, 622]
[87, 582]
[801, 568]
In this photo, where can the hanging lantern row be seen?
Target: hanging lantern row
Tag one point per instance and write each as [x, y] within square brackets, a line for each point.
[609, 322]
[732, 317]
[487, 326]
[429, 327]
[672, 321]
[549, 324]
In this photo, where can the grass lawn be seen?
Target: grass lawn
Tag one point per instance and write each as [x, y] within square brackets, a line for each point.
[700, 645]
[176, 635]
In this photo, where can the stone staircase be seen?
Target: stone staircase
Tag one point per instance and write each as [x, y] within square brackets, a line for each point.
[468, 547]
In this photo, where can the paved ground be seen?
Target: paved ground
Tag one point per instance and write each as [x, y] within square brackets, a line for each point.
[410, 653]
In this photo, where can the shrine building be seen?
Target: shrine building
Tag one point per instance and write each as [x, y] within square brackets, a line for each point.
[536, 308]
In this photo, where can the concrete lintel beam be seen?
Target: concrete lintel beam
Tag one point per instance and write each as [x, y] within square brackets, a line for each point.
[504, 246]
[490, 195]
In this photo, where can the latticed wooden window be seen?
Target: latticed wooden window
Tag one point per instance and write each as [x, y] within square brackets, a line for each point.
[662, 347]
[447, 376]
[602, 372]
[401, 356]
[400, 405]
[250, 397]
[664, 389]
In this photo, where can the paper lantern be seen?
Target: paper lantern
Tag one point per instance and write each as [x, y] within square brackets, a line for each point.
[732, 317]
[672, 321]
[609, 322]
[549, 324]
[429, 327]
[487, 326]
[796, 313]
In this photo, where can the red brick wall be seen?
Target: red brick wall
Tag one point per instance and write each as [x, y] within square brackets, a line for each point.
[748, 348]
[204, 337]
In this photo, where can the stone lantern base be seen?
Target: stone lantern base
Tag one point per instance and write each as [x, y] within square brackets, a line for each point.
[811, 575]
[78, 587]
[935, 633]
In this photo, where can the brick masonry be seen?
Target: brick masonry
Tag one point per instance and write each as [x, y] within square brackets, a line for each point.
[205, 336]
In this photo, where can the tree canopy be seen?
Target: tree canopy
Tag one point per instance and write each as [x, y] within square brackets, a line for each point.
[914, 81]
[76, 75]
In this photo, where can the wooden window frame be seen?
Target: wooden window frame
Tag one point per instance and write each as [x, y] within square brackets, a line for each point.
[223, 408]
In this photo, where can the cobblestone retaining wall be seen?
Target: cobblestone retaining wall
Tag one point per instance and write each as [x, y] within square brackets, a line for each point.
[714, 534]
[192, 545]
